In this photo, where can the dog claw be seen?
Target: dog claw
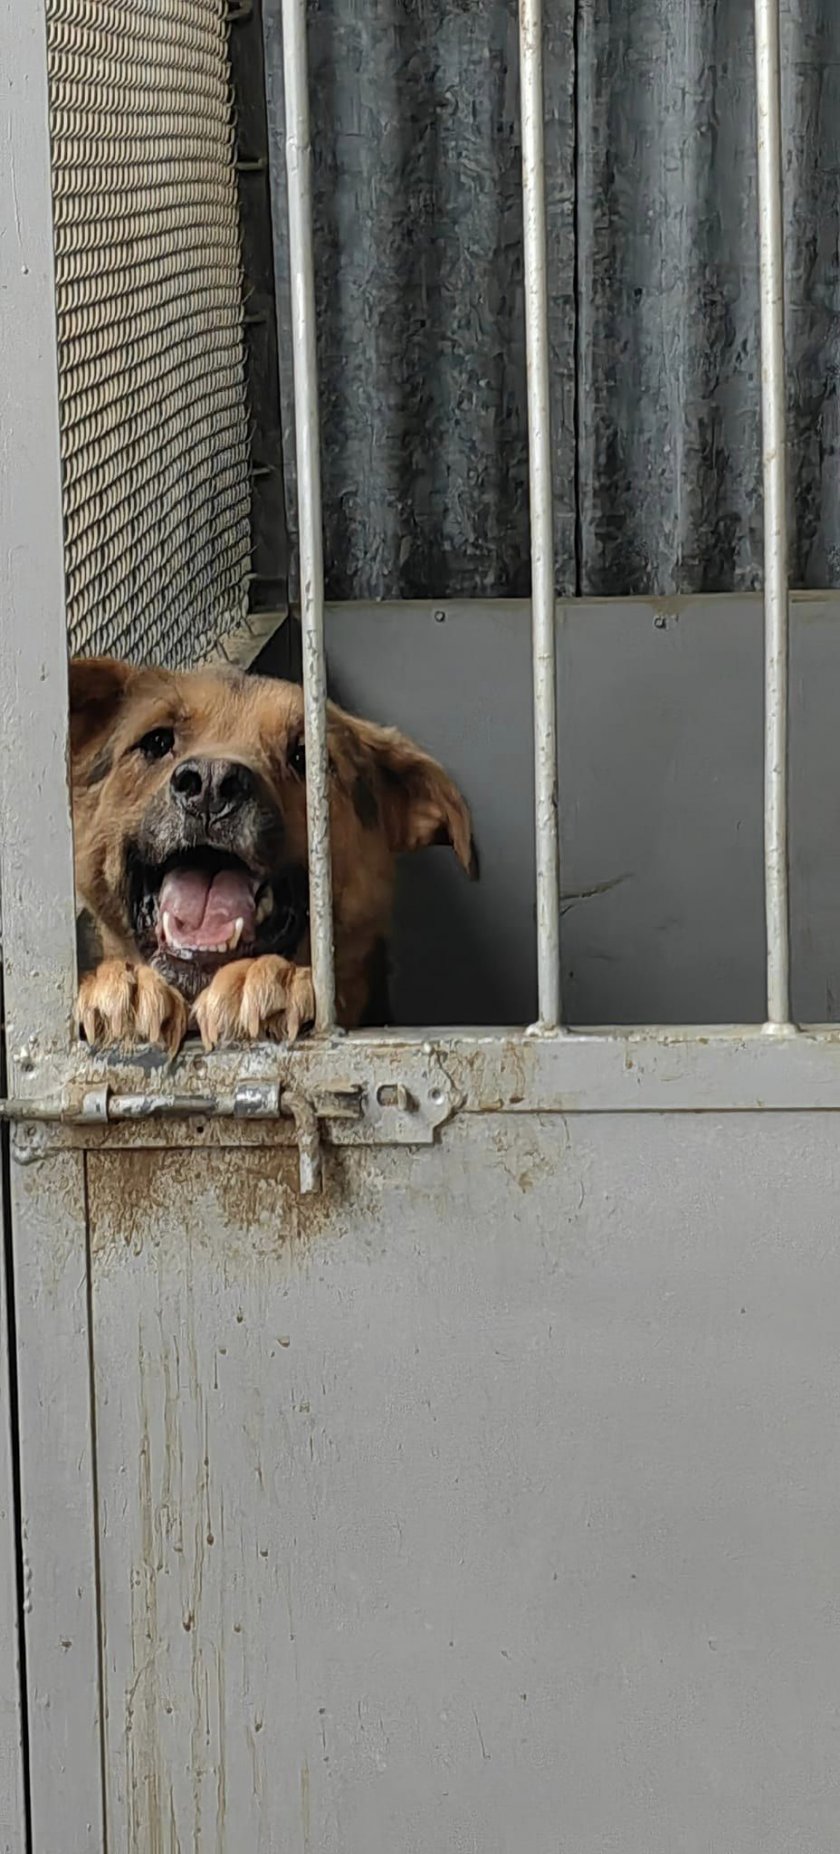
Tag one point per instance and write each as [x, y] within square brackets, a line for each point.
[123, 1004]
[253, 998]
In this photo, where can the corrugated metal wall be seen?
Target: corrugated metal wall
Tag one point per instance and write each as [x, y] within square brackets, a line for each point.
[653, 254]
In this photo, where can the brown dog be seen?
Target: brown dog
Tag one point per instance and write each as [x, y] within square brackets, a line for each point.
[189, 814]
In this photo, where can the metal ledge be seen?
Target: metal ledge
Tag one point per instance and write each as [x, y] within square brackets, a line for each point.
[409, 1086]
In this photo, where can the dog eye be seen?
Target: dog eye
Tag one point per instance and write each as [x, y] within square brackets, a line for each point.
[158, 743]
[297, 760]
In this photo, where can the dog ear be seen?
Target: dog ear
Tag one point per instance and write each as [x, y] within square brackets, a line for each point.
[419, 803]
[97, 687]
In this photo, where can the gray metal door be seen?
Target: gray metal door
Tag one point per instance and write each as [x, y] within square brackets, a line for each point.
[419, 1442]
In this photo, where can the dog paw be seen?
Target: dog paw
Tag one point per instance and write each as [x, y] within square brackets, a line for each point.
[125, 1004]
[252, 998]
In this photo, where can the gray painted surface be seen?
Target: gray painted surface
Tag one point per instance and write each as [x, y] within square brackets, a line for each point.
[660, 717]
[490, 1504]
[653, 279]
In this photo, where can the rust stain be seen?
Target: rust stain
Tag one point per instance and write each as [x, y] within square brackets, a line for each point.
[254, 1187]
[174, 1838]
[247, 1200]
[142, 1741]
[138, 1199]
[221, 1778]
[258, 1195]
[306, 1806]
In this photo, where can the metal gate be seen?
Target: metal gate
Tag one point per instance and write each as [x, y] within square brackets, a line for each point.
[411, 1442]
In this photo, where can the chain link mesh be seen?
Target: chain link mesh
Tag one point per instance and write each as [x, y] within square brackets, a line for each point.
[151, 358]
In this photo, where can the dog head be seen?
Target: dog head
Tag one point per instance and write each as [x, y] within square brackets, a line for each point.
[189, 810]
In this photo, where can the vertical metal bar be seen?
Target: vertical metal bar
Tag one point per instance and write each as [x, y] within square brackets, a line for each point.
[774, 459]
[542, 515]
[307, 449]
[36, 864]
[46, 1203]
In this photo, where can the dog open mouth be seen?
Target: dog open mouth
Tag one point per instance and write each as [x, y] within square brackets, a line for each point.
[203, 907]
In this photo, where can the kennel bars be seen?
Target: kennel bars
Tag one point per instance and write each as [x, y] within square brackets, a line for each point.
[307, 441]
[40, 967]
[543, 602]
[301, 241]
[544, 643]
[46, 1064]
[774, 456]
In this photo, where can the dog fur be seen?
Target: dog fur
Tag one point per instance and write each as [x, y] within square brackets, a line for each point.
[208, 767]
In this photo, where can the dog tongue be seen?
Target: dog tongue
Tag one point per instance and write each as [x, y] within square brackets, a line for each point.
[204, 909]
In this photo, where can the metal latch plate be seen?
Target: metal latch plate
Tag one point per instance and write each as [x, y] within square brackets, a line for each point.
[400, 1099]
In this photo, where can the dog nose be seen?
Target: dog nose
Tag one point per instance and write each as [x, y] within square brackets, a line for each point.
[211, 788]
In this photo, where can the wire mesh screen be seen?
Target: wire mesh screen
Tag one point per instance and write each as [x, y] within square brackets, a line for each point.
[154, 428]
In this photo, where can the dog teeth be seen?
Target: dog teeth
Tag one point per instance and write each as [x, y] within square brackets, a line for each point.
[265, 907]
[212, 946]
[173, 943]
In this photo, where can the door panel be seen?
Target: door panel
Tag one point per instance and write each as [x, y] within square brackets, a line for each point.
[490, 1502]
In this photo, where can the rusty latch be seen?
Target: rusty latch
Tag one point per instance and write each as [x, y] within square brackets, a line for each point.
[370, 1110]
[102, 1106]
